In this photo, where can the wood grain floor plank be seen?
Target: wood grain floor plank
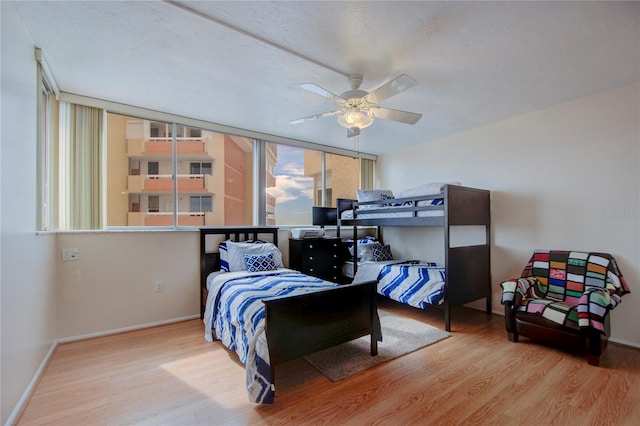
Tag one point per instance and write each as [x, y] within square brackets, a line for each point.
[170, 375]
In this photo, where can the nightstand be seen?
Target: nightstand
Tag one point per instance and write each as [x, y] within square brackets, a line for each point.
[319, 257]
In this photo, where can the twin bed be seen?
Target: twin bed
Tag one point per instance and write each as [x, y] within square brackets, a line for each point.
[269, 314]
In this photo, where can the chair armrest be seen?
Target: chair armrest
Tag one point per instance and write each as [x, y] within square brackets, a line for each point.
[509, 291]
[594, 305]
[515, 289]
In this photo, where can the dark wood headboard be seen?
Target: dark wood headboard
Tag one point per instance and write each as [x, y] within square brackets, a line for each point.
[210, 257]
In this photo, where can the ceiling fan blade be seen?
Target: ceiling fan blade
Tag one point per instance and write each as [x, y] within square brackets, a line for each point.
[395, 86]
[315, 117]
[395, 115]
[314, 88]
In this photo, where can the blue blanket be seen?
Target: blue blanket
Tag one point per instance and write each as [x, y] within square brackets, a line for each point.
[412, 283]
[235, 315]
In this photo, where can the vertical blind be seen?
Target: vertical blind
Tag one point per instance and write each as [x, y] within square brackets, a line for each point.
[80, 167]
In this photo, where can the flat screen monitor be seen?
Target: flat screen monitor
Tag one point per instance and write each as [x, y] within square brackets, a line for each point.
[325, 216]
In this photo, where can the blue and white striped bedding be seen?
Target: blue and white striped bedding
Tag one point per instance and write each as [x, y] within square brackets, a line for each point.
[234, 314]
[415, 284]
[412, 282]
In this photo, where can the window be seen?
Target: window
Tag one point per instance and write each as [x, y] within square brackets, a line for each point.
[200, 204]
[154, 204]
[341, 177]
[200, 168]
[141, 163]
[142, 172]
[289, 186]
[153, 168]
[47, 139]
[47, 113]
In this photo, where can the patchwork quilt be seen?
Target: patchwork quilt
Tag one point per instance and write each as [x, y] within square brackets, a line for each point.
[234, 314]
[413, 283]
[575, 289]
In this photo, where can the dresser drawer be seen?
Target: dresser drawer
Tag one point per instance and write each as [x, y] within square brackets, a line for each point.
[319, 257]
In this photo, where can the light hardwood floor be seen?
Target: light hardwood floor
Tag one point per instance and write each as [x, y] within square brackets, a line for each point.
[170, 375]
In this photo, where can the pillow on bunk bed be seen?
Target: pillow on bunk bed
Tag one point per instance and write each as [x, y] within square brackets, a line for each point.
[425, 189]
[376, 252]
[235, 254]
[361, 243]
[260, 262]
[373, 195]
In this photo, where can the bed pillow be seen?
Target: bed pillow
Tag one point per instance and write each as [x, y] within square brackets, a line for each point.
[224, 256]
[375, 252]
[259, 262]
[425, 189]
[224, 253]
[361, 242]
[381, 253]
[372, 195]
[238, 250]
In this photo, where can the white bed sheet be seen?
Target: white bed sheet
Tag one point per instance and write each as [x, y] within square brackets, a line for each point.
[367, 271]
[348, 214]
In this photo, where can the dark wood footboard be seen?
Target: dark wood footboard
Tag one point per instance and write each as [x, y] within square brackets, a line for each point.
[300, 325]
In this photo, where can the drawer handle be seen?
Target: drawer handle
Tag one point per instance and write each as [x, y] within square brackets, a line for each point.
[310, 257]
[310, 246]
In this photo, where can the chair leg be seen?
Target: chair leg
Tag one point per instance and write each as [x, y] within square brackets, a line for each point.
[593, 360]
[595, 346]
[513, 337]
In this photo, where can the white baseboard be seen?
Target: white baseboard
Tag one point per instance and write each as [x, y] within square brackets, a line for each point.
[125, 329]
[21, 405]
[624, 343]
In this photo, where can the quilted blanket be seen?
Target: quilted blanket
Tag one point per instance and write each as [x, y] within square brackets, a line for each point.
[575, 289]
[234, 314]
[413, 283]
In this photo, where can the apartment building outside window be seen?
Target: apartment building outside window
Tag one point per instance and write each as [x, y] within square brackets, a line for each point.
[139, 172]
[143, 190]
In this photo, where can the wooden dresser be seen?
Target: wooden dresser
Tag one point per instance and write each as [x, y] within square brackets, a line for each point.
[319, 257]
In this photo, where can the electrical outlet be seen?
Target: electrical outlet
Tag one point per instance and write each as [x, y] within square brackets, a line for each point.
[70, 254]
[159, 286]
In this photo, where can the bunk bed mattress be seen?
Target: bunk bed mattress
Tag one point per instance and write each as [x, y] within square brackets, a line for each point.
[414, 283]
[234, 314]
[348, 214]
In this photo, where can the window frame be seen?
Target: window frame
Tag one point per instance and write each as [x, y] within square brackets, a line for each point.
[259, 139]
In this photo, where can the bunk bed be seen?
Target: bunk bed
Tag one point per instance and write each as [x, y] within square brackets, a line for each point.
[306, 315]
[467, 269]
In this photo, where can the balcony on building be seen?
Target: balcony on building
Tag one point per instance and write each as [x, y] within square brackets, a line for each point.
[159, 146]
[192, 183]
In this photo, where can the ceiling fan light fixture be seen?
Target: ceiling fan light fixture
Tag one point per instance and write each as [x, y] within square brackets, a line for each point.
[359, 119]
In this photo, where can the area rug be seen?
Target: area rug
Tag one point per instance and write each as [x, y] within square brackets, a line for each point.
[400, 336]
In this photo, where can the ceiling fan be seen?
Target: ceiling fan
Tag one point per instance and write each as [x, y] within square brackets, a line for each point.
[358, 108]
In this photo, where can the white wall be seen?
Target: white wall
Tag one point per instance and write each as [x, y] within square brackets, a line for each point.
[565, 177]
[112, 284]
[27, 271]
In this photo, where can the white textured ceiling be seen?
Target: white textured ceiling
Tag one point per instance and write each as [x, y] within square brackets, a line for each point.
[475, 62]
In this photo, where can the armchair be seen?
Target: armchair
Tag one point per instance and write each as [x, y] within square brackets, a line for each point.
[564, 297]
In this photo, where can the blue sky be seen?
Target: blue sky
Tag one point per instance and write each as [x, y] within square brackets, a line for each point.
[293, 189]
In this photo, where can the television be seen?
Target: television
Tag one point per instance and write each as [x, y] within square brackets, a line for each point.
[324, 216]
